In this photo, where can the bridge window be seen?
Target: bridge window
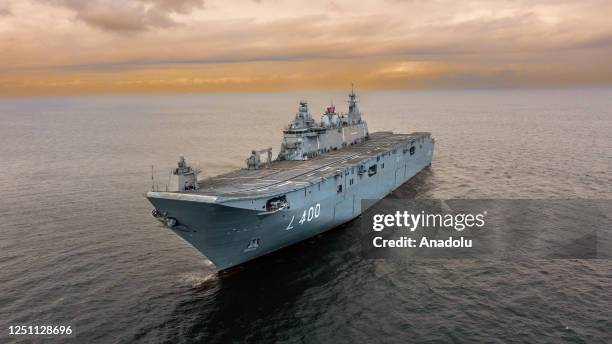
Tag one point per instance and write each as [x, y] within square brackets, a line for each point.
[339, 189]
[412, 150]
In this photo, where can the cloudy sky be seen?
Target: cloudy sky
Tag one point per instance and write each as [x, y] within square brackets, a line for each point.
[122, 46]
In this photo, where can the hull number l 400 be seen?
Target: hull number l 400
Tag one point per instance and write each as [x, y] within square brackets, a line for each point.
[308, 215]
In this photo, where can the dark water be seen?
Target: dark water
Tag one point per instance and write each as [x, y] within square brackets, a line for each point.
[78, 246]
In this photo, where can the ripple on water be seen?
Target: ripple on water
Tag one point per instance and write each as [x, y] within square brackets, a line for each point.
[78, 246]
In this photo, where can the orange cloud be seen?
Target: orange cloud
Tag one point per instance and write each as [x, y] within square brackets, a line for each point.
[103, 46]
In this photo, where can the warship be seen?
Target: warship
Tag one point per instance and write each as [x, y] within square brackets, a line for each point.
[317, 182]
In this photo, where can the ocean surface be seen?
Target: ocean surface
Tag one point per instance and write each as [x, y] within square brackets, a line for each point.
[79, 247]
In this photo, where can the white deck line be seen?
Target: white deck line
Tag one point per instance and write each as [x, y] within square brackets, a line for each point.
[182, 197]
[285, 183]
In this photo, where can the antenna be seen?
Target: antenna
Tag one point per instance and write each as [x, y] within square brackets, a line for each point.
[352, 95]
[152, 179]
[169, 179]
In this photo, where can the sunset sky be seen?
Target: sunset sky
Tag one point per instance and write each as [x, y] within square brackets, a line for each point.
[50, 47]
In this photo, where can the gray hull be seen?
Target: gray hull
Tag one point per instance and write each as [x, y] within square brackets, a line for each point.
[233, 229]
